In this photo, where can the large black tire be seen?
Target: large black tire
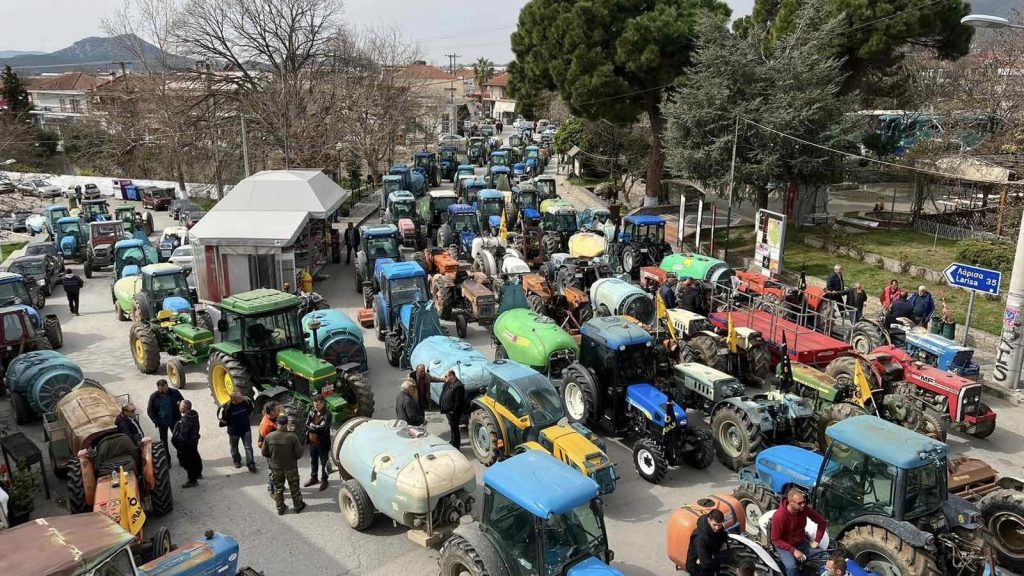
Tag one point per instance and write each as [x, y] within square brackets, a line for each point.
[844, 367]
[23, 413]
[240, 378]
[54, 333]
[585, 312]
[420, 258]
[145, 348]
[759, 366]
[703, 453]
[76, 488]
[630, 260]
[357, 391]
[536, 303]
[296, 412]
[484, 437]
[142, 308]
[459, 558]
[368, 296]
[162, 543]
[866, 336]
[877, 550]
[461, 324]
[176, 373]
[931, 425]
[444, 297]
[88, 269]
[649, 460]
[1003, 511]
[551, 244]
[830, 414]
[161, 499]
[580, 397]
[756, 500]
[392, 350]
[985, 429]
[737, 438]
[356, 507]
[705, 349]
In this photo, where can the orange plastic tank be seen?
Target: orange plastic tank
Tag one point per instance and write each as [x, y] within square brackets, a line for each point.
[683, 522]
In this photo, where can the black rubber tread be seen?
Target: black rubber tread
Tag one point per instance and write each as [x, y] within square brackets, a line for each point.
[843, 369]
[704, 454]
[420, 258]
[866, 336]
[932, 426]
[591, 396]
[758, 495]
[353, 492]
[656, 453]
[753, 440]
[867, 541]
[162, 542]
[550, 244]
[181, 381]
[23, 413]
[357, 391]
[392, 351]
[536, 303]
[585, 312]
[759, 365]
[367, 296]
[459, 558]
[239, 374]
[161, 499]
[985, 429]
[635, 259]
[296, 411]
[142, 308]
[76, 488]
[832, 413]
[88, 269]
[997, 508]
[443, 295]
[54, 332]
[143, 333]
[705, 350]
[461, 325]
[479, 418]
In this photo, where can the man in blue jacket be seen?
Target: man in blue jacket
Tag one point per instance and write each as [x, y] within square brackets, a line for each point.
[923, 306]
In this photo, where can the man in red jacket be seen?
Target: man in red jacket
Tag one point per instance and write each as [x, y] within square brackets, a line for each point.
[789, 536]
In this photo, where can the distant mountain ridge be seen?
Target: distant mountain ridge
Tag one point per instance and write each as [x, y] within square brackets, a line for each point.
[84, 55]
[13, 53]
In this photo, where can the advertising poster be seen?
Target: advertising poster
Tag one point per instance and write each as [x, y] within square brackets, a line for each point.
[770, 232]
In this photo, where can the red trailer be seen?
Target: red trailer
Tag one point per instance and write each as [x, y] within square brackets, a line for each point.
[804, 345]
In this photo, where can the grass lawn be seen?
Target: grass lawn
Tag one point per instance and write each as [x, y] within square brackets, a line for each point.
[587, 181]
[917, 247]
[9, 249]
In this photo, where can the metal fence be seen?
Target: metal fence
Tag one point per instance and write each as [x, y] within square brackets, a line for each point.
[952, 232]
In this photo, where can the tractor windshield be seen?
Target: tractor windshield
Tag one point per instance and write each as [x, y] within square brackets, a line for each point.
[546, 187]
[441, 204]
[926, 489]
[407, 290]
[500, 182]
[499, 160]
[12, 293]
[404, 209]
[69, 229]
[573, 535]
[392, 186]
[560, 222]
[528, 199]
[381, 247]
[635, 364]
[492, 207]
[167, 285]
[853, 484]
[423, 161]
[448, 154]
[533, 154]
[465, 222]
[538, 398]
[652, 233]
[279, 330]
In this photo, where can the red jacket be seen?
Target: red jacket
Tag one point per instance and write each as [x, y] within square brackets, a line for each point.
[789, 530]
[888, 295]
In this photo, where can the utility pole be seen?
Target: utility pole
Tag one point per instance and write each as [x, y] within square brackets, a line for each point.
[732, 184]
[451, 62]
[245, 147]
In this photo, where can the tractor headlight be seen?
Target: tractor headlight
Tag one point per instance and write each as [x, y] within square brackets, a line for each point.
[622, 348]
[40, 282]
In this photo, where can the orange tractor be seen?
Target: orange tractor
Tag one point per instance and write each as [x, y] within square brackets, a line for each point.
[570, 307]
[459, 294]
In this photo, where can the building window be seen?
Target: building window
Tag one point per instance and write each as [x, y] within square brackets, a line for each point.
[76, 106]
[63, 105]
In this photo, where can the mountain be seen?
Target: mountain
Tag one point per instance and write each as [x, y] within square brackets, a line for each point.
[87, 54]
[13, 53]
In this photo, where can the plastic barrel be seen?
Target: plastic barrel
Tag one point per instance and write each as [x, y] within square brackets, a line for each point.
[44, 376]
[949, 330]
[936, 326]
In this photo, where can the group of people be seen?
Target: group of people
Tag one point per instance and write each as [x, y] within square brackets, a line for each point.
[687, 294]
[897, 303]
[414, 399]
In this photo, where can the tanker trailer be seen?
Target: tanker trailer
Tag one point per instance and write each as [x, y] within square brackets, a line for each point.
[529, 338]
[442, 353]
[37, 380]
[698, 267]
[337, 340]
[616, 297]
[587, 245]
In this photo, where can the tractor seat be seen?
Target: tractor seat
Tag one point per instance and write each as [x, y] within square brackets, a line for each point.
[164, 316]
[115, 451]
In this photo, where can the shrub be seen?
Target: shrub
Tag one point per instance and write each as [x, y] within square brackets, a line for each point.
[986, 253]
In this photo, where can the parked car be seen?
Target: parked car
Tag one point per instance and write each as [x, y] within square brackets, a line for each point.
[180, 207]
[171, 238]
[45, 249]
[14, 221]
[36, 223]
[7, 187]
[182, 257]
[42, 269]
[89, 192]
[39, 189]
[156, 198]
[194, 216]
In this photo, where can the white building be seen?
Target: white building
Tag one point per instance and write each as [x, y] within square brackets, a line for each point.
[59, 100]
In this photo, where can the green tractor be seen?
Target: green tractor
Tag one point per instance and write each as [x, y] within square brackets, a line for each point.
[262, 353]
[134, 220]
[558, 222]
[529, 338]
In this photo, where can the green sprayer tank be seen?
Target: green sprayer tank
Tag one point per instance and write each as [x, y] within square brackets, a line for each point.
[535, 340]
[698, 267]
[42, 377]
[338, 339]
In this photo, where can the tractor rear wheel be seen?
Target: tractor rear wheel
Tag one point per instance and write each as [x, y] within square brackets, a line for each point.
[88, 269]
[737, 438]
[142, 308]
[296, 412]
[22, 411]
[756, 501]
[551, 244]
[176, 373]
[367, 296]
[459, 558]
[226, 374]
[880, 551]
[145, 348]
[443, 295]
[866, 336]
[580, 397]
[702, 454]
[162, 499]
[53, 331]
[536, 303]
[834, 413]
[759, 365]
[76, 488]
[649, 460]
[844, 368]
[357, 392]
[1003, 511]
[355, 505]
[931, 425]
[585, 312]
[392, 349]
[705, 349]
[484, 436]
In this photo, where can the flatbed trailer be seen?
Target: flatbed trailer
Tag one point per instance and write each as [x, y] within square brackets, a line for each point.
[803, 344]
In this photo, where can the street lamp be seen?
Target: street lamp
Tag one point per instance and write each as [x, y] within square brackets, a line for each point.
[1010, 352]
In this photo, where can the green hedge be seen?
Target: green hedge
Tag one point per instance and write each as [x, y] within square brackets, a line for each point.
[986, 253]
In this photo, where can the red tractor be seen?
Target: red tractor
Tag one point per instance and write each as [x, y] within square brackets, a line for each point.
[942, 395]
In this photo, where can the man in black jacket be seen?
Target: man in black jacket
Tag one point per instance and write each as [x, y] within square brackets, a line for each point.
[318, 434]
[235, 416]
[705, 545]
[835, 287]
[163, 408]
[856, 299]
[900, 308]
[127, 422]
[453, 402]
[72, 285]
[185, 438]
[407, 406]
[351, 241]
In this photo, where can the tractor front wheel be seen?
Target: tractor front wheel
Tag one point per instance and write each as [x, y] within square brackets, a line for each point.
[580, 397]
[866, 336]
[355, 505]
[459, 558]
[702, 454]
[737, 438]
[225, 375]
[161, 543]
[54, 333]
[985, 429]
[550, 245]
[755, 500]
[461, 324]
[649, 460]
[19, 405]
[357, 392]
[88, 269]
[176, 373]
[1003, 511]
[844, 368]
[886, 554]
[145, 348]
[76, 488]
[484, 436]
[832, 414]
[162, 498]
[392, 349]
[536, 303]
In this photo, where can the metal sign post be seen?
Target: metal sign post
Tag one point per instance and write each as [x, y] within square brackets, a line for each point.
[967, 323]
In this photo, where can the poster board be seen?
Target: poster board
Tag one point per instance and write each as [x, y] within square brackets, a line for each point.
[770, 233]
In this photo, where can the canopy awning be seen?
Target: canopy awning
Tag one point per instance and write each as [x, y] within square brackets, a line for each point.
[248, 228]
[309, 191]
[504, 107]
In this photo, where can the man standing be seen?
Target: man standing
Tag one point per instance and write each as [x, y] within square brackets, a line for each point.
[422, 378]
[163, 408]
[789, 536]
[692, 298]
[318, 433]
[836, 285]
[78, 194]
[351, 242]
[923, 306]
[235, 416]
[283, 449]
[498, 128]
[453, 400]
[856, 299]
[705, 544]
[668, 292]
[889, 293]
[271, 410]
[72, 284]
[127, 422]
[185, 438]
[407, 407]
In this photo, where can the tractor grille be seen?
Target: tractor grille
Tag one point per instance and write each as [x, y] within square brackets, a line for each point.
[485, 307]
[971, 403]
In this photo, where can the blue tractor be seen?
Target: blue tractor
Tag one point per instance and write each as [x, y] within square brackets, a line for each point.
[426, 164]
[640, 243]
[403, 314]
[498, 158]
[411, 180]
[534, 161]
[539, 517]
[883, 490]
[131, 255]
[449, 162]
[462, 227]
[943, 353]
[612, 383]
[72, 238]
[500, 177]
[376, 244]
[490, 205]
[469, 188]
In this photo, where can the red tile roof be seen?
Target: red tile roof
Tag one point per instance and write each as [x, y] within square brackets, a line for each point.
[71, 81]
[499, 80]
[426, 72]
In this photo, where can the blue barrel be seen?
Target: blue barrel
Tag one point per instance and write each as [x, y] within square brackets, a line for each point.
[339, 340]
[43, 377]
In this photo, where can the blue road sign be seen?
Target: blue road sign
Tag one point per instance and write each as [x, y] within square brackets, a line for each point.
[973, 278]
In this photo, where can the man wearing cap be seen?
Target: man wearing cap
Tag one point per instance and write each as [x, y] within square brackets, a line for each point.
[127, 422]
[283, 451]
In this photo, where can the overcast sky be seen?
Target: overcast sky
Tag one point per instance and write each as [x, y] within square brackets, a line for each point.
[470, 29]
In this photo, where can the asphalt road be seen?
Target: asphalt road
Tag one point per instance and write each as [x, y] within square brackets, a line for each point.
[318, 541]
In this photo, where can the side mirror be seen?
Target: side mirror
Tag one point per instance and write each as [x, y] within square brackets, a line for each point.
[222, 325]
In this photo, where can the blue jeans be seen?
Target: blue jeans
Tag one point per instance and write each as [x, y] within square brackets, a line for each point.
[814, 555]
[246, 444]
[318, 462]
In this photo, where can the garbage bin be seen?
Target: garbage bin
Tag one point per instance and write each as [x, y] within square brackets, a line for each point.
[131, 192]
[936, 325]
[949, 330]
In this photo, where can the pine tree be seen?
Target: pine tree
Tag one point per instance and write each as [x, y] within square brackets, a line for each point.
[14, 93]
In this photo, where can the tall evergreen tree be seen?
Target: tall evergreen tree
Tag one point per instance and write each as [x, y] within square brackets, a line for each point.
[14, 93]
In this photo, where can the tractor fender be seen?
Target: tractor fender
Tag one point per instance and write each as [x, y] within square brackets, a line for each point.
[487, 262]
[905, 531]
[269, 393]
[755, 410]
[960, 513]
[484, 547]
[585, 374]
[1010, 483]
[759, 550]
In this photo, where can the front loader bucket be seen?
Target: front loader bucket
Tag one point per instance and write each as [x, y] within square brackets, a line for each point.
[423, 323]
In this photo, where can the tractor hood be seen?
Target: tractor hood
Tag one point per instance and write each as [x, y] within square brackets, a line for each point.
[69, 245]
[305, 365]
[781, 465]
[494, 221]
[593, 567]
[586, 245]
[216, 555]
[467, 237]
[531, 338]
[653, 403]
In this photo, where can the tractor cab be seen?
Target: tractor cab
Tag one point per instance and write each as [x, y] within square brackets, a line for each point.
[51, 215]
[94, 210]
[515, 141]
[546, 185]
[471, 188]
[641, 242]
[527, 395]
[533, 160]
[72, 236]
[518, 171]
[594, 219]
[624, 355]
[392, 183]
[499, 158]
[465, 169]
[426, 161]
[558, 216]
[164, 282]
[401, 204]
[410, 179]
[433, 211]
[500, 177]
[477, 150]
[379, 242]
[525, 196]
[131, 255]
[449, 161]
[401, 284]
[126, 214]
[15, 291]
[464, 226]
[491, 205]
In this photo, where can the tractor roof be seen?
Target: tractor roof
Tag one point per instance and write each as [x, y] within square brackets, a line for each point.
[162, 269]
[499, 170]
[644, 220]
[510, 370]
[125, 244]
[449, 147]
[61, 545]
[395, 270]
[123, 207]
[888, 442]
[467, 166]
[535, 148]
[540, 484]
[69, 220]
[615, 332]
[499, 153]
[545, 178]
[8, 277]
[490, 194]
[95, 201]
[399, 168]
[259, 301]
[423, 154]
[30, 258]
[442, 194]
[401, 195]
[460, 209]
[56, 208]
[17, 309]
[378, 230]
[391, 178]
[702, 372]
